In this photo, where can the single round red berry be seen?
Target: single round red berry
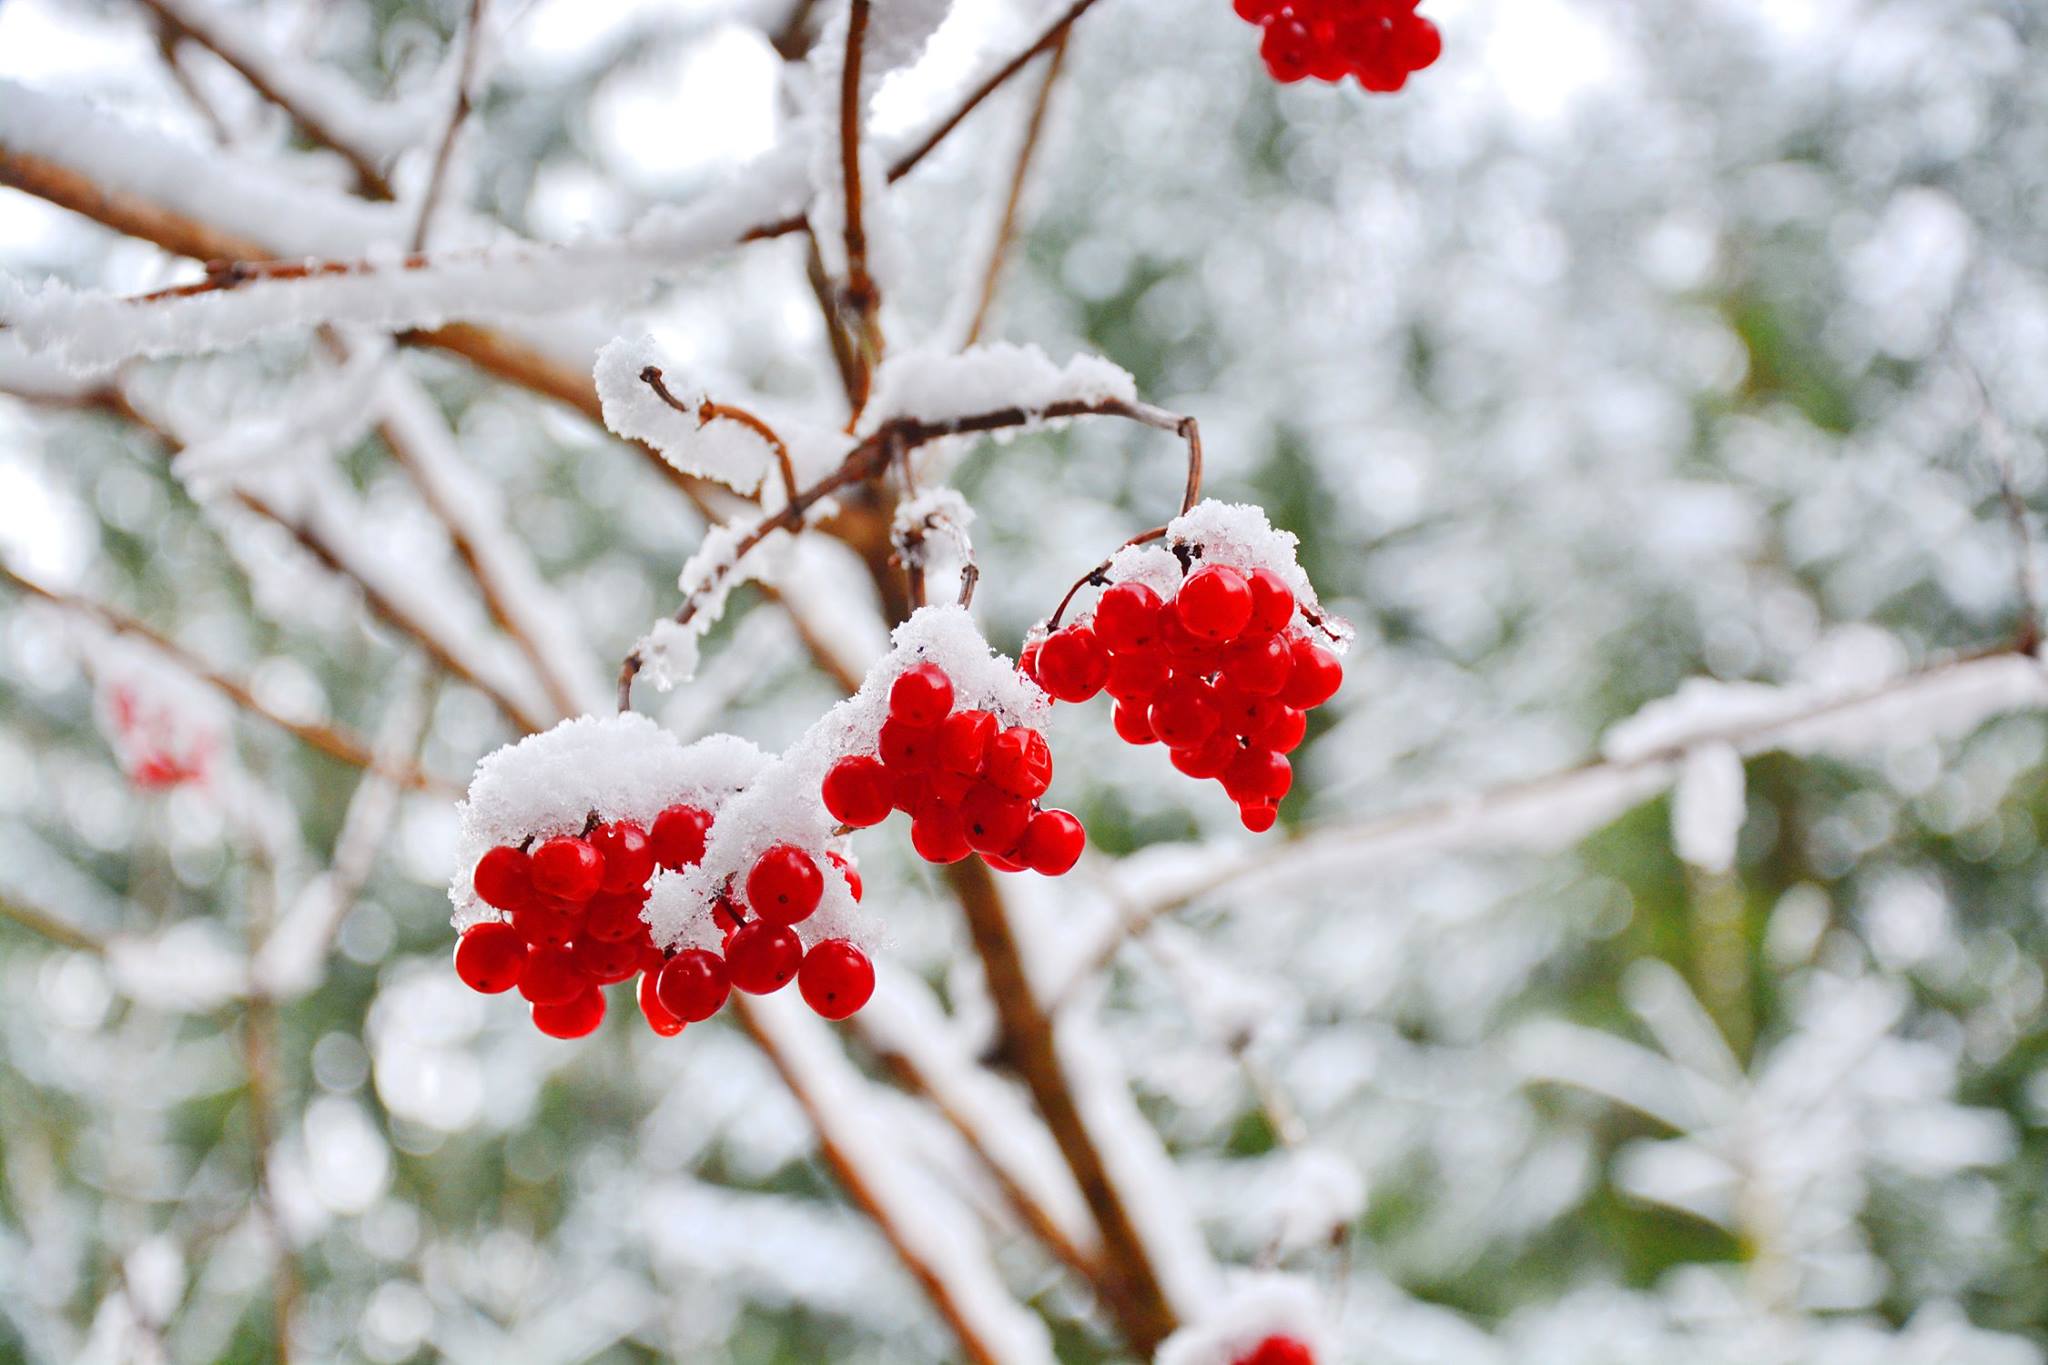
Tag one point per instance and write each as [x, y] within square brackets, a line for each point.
[907, 748]
[1127, 618]
[550, 975]
[785, 885]
[627, 852]
[1258, 775]
[1184, 713]
[549, 921]
[1132, 725]
[1020, 763]
[567, 868]
[616, 918]
[1209, 758]
[858, 791]
[938, 835]
[1281, 731]
[1214, 602]
[489, 957]
[993, 819]
[1027, 659]
[1316, 676]
[575, 1017]
[963, 742]
[1258, 819]
[503, 878]
[836, 978]
[1256, 11]
[1073, 665]
[1279, 1350]
[1419, 43]
[1272, 601]
[678, 836]
[1052, 843]
[693, 984]
[658, 1018]
[605, 963]
[1138, 676]
[1288, 50]
[921, 696]
[1259, 666]
[849, 871]
[760, 957]
[1184, 648]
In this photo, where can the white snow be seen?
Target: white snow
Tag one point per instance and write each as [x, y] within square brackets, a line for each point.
[1254, 1307]
[618, 767]
[1707, 807]
[940, 385]
[729, 452]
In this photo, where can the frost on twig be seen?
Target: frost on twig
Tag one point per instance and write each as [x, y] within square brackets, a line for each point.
[938, 386]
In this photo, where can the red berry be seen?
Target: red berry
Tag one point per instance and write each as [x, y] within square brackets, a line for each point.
[1052, 843]
[575, 1017]
[550, 975]
[1272, 601]
[489, 957]
[993, 819]
[836, 978]
[678, 836]
[616, 919]
[656, 1014]
[1214, 603]
[1073, 665]
[1279, 1350]
[627, 852]
[858, 791]
[1127, 618]
[503, 878]
[1207, 759]
[1002, 864]
[693, 984]
[1132, 725]
[1258, 819]
[605, 963]
[567, 868]
[1281, 731]
[1255, 11]
[1316, 676]
[1027, 659]
[938, 835]
[848, 871]
[1258, 775]
[1138, 676]
[950, 788]
[1259, 666]
[921, 696]
[550, 921]
[726, 915]
[1418, 43]
[907, 748]
[1183, 647]
[1287, 49]
[963, 742]
[760, 957]
[785, 885]
[1020, 763]
[1184, 713]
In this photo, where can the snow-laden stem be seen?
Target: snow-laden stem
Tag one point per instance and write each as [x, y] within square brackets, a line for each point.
[708, 411]
[336, 743]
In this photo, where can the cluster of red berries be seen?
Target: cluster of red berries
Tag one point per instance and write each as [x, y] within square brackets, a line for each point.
[1278, 1350]
[572, 926]
[968, 784]
[1215, 673]
[1379, 41]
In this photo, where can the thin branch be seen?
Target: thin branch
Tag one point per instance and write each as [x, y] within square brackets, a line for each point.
[862, 297]
[173, 20]
[335, 743]
[843, 359]
[1998, 445]
[1006, 228]
[793, 36]
[49, 926]
[472, 41]
[707, 412]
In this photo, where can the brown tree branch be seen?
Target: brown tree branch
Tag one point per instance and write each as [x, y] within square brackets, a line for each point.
[444, 153]
[49, 926]
[862, 297]
[708, 411]
[334, 742]
[1006, 227]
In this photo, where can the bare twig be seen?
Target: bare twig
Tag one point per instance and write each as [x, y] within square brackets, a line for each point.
[707, 412]
[863, 298]
[843, 359]
[1006, 227]
[794, 35]
[1998, 445]
[49, 926]
[335, 743]
[465, 74]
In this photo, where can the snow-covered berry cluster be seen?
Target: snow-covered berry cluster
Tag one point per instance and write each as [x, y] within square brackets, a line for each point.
[968, 783]
[1220, 665]
[1380, 42]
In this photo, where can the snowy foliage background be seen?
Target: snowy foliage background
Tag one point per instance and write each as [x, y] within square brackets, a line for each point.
[1653, 968]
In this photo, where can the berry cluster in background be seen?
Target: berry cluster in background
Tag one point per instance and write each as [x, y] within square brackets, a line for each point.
[1379, 42]
[1220, 673]
[969, 784]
